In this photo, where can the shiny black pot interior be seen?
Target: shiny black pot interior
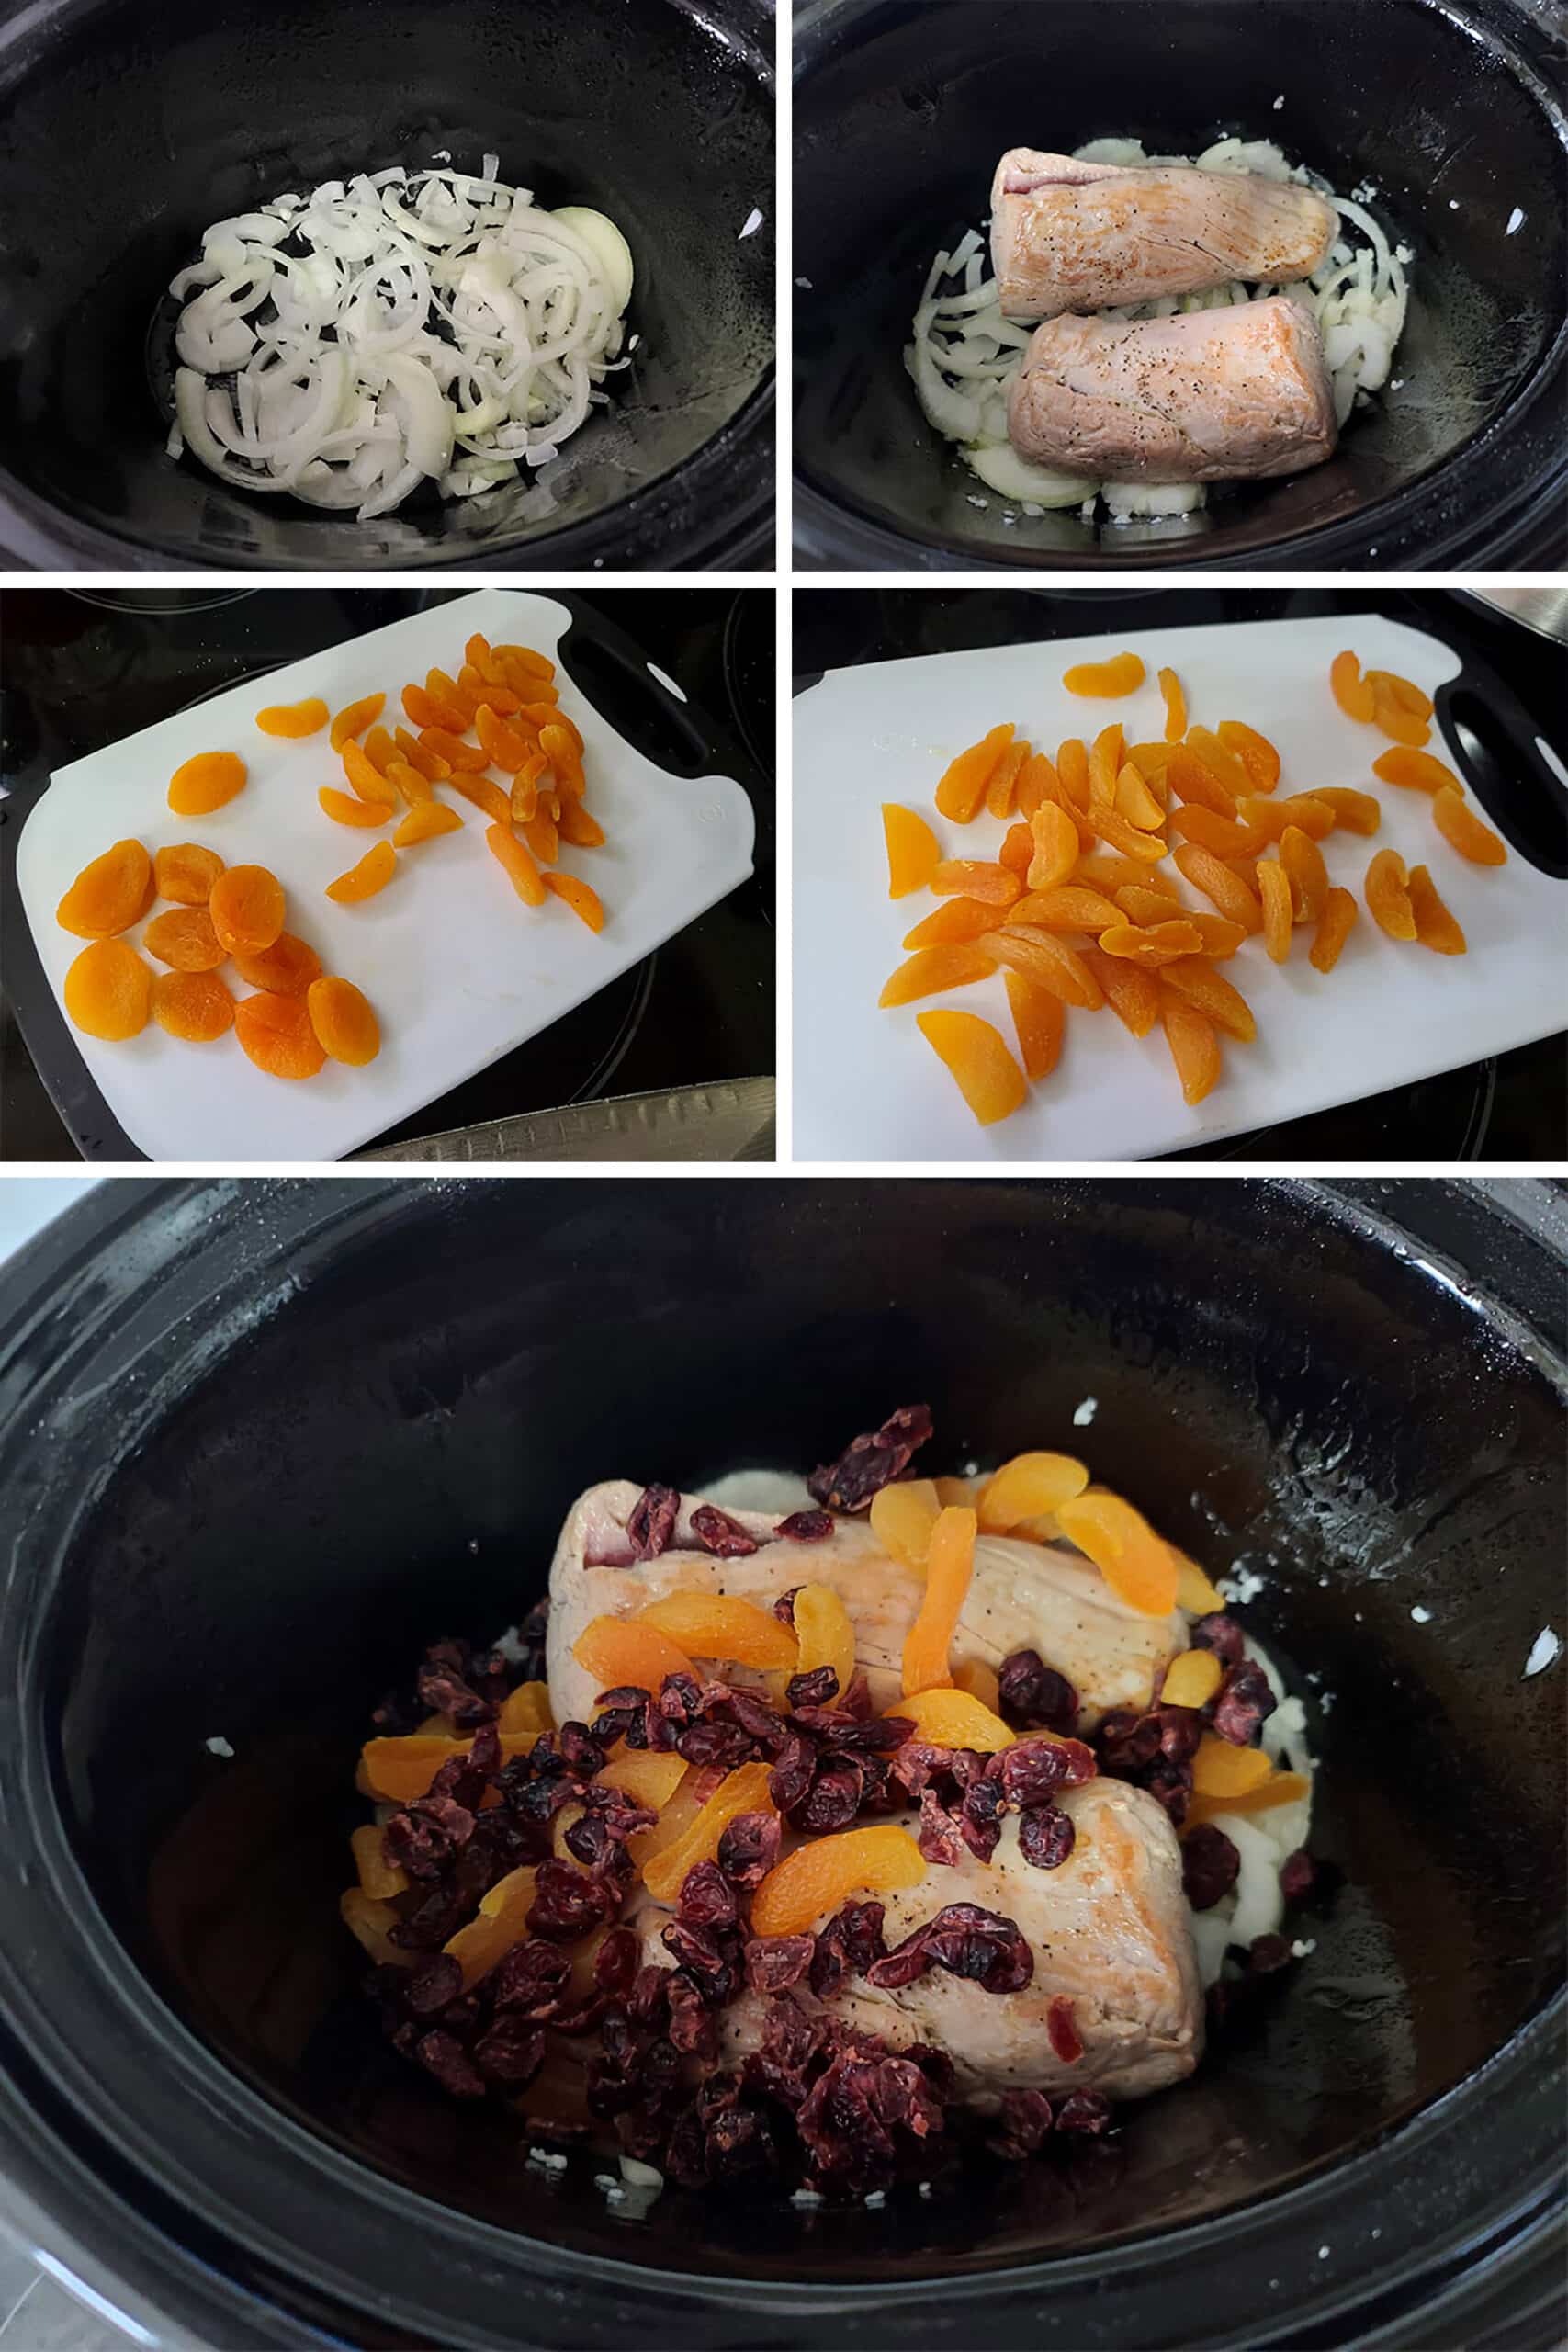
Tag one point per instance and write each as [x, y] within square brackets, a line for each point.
[125, 131]
[302, 1429]
[901, 109]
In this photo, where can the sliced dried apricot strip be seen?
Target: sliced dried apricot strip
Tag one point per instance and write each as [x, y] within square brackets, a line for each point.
[1109, 826]
[1171, 689]
[1355, 812]
[371, 1924]
[108, 991]
[1436, 926]
[1124, 673]
[902, 1518]
[980, 1681]
[1037, 781]
[579, 896]
[516, 861]
[1106, 759]
[344, 1020]
[460, 758]
[720, 1626]
[1135, 904]
[185, 939]
[819, 1876]
[963, 786]
[1220, 761]
[620, 1651]
[1193, 1589]
[377, 1876]
[484, 793]
[1221, 1770]
[354, 719]
[930, 971]
[193, 1005]
[1040, 1021]
[579, 829]
[414, 790]
[1072, 769]
[348, 809]
[1334, 929]
[366, 778]
[1191, 1679]
[1070, 906]
[205, 782]
[1041, 956]
[293, 720]
[1137, 1565]
[526, 1707]
[500, 1923]
[1402, 692]
[1194, 1044]
[825, 1635]
[1002, 791]
[430, 764]
[1416, 771]
[948, 1717]
[108, 894]
[1462, 830]
[1056, 846]
[1280, 1788]
[508, 747]
[1390, 714]
[950, 1567]
[380, 748]
[968, 878]
[276, 1033]
[1130, 991]
[742, 1791]
[285, 969]
[1027, 1486]
[424, 823]
[1135, 802]
[422, 710]
[478, 688]
[1388, 895]
[373, 873]
[1266, 820]
[1151, 946]
[247, 908]
[186, 873]
[913, 850]
[1220, 936]
[1195, 821]
[1189, 780]
[543, 836]
[1228, 891]
[1278, 912]
[398, 1770]
[1302, 861]
[988, 1078]
[1213, 994]
[1112, 874]
[650, 1777]
[1255, 752]
[1017, 852]
[954, 923]
[1351, 691]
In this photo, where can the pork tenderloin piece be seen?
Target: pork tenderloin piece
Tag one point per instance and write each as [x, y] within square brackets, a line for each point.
[1021, 1595]
[1220, 395]
[1072, 236]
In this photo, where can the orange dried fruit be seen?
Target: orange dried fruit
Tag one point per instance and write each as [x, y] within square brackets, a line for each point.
[825, 1635]
[1135, 802]
[1402, 692]
[186, 873]
[579, 829]
[968, 878]
[1255, 752]
[950, 1567]
[1002, 791]
[195, 1006]
[543, 836]
[429, 764]
[380, 748]
[1193, 1589]
[1220, 761]
[647, 1774]
[1280, 1788]
[522, 661]
[526, 1707]
[348, 809]
[1278, 912]
[1158, 943]
[414, 790]
[1195, 821]
[354, 719]
[1219, 1769]
[516, 861]
[1175, 706]
[285, 969]
[1213, 994]
[902, 1518]
[1109, 874]
[1269, 819]
[1191, 1679]
[1069, 906]
[1334, 929]
[205, 782]
[1109, 826]
[422, 710]
[1462, 830]
[579, 896]
[742, 1791]
[293, 720]
[477, 688]
[988, 1078]
[1308, 875]
[344, 1020]
[1391, 716]
[1037, 781]
[1026, 1486]
[1194, 1045]
[371, 1924]
[619, 1651]
[373, 873]
[963, 786]
[500, 1924]
[1135, 904]
[368, 782]
[377, 1876]
[1017, 851]
[1049, 962]
[1130, 991]
[1072, 770]
[396, 1771]
[276, 1034]
[508, 749]
[108, 991]
[932, 971]
[820, 1875]
[980, 1681]
[424, 823]
[1106, 758]
[948, 1717]
[1122, 675]
[956, 923]
[1416, 771]
[247, 908]
[1056, 846]
[484, 793]
[1351, 691]
[108, 894]
[1191, 781]
[460, 758]
[1355, 812]
[1388, 895]
[1210, 874]
[1137, 1565]
[1436, 926]
[718, 1626]
[1040, 1021]
[184, 938]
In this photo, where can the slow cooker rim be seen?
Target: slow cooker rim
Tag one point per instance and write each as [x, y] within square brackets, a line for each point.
[1525, 2059]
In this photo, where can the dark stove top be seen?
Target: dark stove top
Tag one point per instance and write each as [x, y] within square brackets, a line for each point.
[80, 670]
[1511, 1107]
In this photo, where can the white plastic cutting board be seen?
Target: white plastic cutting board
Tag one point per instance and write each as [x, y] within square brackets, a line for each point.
[868, 1086]
[459, 971]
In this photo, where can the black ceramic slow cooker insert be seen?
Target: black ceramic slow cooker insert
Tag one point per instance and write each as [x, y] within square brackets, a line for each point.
[259, 1442]
[126, 130]
[1452, 109]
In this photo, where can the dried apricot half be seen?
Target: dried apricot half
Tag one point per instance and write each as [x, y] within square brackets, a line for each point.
[1194, 1045]
[1416, 771]
[1122, 675]
[988, 1078]
[579, 896]
[1191, 1679]
[742, 1791]
[913, 850]
[1136, 1564]
[108, 894]
[718, 1625]
[1351, 691]
[184, 938]
[818, 1876]
[348, 809]
[1462, 830]
[373, 873]
[579, 829]
[1171, 689]
[1130, 991]
[355, 717]
[193, 1005]
[247, 908]
[962, 786]
[108, 991]
[1436, 926]
[824, 1634]
[952, 1718]
[1278, 911]
[950, 1566]
[344, 1020]
[932, 971]
[186, 873]
[276, 1034]
[1334, 929]
[425, 822]
[1046, 960]
[205, 782]
[1056, 847]
[293, 720]
[1213, 994]
[516, 861]
[1040, 1020]
[902, 1518]
[620, 1652]
[1388, 895]
[1027, 1486]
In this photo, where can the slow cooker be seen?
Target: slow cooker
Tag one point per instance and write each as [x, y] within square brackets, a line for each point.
[259, 1441]
[1451, 109]
[125, 132]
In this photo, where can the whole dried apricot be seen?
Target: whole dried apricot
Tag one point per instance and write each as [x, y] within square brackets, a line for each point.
[184, 938]
[344, 1020]
[1122, 675]
[1128, 989]
[988, 1078]
[348, 809]
[193, 1005]
[293, 720]
[950, 1567]
[1026, 1486]
[516, 861]
[1462, 830]
[1334, 929]
[1048, 961]
[186, 873]
[820, 1875]
[1136, 1564]
[1194, 1045]
[373, 873]
[1213, 994]
[247, 908]
[1436, 927]
[276, 1034]
[1040, 1021]
[948, 1717]
[1171, 689]
[1388, 895]
[962, 786]
[108, 991]
[425, 822]
[902, 1518]
[579, 896]
[718, 1626]
[932, 971]
[205, 782]
[1279, 913]
[108, 894]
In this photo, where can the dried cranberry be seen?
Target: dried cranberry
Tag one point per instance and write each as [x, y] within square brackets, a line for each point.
[1223, 1635]
[749, 1847]
[445, 1690]
[1032, 1769]
[710, 1957]
[566, 1904]
[850, 1945]
[1181, 1730]
[433, 1985]
[723, 1536]
[872, 1462]
[848, 2144]
[784, 1607]
[416, 1844]
[680, 1700]
[1034, 1694]
[616, 1961]
[833, 1799]
[648, 2001]
[791, 1776]
[1297, 1874]
[620, 1714]
[1244, 1703]
[692, 2027]
[652, 1521]
[740, 2144]
[1022, 2123]
[714, 1743]
[1045, 1836]
[1266, 1954]
[878, 1793]
[968, 1942]
[1088, 2111]
[706, 1897]
[776, 1962]
[940, 1836]
[1127, 1741]
[1210, 1866]
[1171, 1786]
[1062, 2030]
[767, 1730]
[917, 1763]
[818, 1689]
[579, 1748]
[511, 2052]
[805, 1527]
[446, 2059]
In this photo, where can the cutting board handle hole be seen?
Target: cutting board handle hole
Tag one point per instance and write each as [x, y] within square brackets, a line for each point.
[1519, 788]
[629, 699]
